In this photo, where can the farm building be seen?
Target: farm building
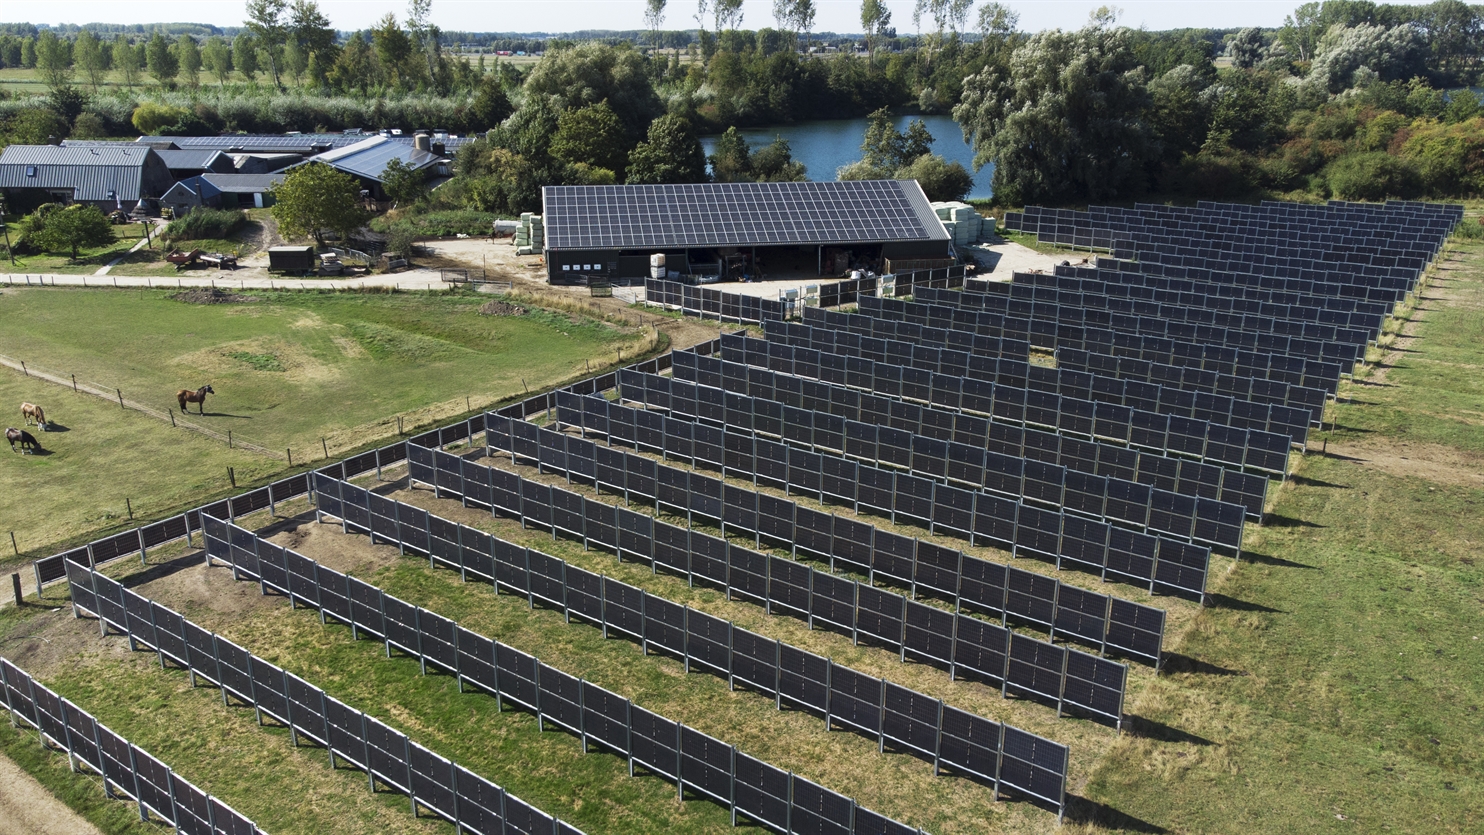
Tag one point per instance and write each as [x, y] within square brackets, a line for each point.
[107, 176]
[244, 191]
[752, 230]
[367, 160]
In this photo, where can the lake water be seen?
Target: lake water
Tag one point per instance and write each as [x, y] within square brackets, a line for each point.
[825, 146]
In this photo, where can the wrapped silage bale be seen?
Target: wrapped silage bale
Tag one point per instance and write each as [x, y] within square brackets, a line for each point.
[951, 227]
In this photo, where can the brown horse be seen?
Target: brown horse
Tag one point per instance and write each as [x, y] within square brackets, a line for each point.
[198, 396]
[30, 412]
[24, 438]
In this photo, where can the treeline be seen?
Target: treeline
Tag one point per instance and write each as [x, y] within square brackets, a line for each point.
[1348, 99]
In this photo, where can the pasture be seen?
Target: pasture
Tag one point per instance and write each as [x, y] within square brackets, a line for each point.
[288, 369]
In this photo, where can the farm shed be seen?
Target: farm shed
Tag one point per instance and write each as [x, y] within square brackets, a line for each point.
[763, 229]
[106, 176]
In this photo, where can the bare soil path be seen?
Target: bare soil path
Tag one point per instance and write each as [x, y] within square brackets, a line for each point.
[27, 808]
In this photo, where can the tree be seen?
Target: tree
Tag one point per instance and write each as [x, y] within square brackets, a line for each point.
[216, 56]
[593, 136]
[161, 60]
[352, 70]
[726, 14]
[1394, 53]
[775, 163]
[28, 53]
[671, 154]
[265, 22]
[245, 56]
[730, 161]
[592, 73]
[1245, 48]
[392, 47]
[1064, 120]
[875, 18]
[315, 197]
[126, 60]
[53, 60]
[491, 105]
[32, 126]
[941, 180]
[188, 59]
[403, 184]
[425, 35]
[295, 61]
[90, 56]
[654, 16]
[73, 227]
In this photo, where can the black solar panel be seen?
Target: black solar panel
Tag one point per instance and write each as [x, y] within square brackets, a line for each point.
[737, 214]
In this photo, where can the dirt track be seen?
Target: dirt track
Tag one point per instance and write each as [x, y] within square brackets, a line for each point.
[27, 808]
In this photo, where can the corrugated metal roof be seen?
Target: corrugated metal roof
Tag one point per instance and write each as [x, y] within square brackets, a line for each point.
[302, 143]
[369, 157]
[91, 172]
[201, 158]
[243, 183]
[125, 155]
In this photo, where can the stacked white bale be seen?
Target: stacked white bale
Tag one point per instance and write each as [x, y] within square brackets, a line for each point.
[530, 235]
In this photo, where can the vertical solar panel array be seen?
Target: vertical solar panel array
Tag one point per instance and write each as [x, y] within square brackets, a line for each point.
[125, 768]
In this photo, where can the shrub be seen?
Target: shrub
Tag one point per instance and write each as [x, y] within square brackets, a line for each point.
[150, 117]
[439, 224]
[1449, 158]
[1376, 175]
[204, 223]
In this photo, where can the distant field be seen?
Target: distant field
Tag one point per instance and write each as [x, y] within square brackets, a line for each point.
[288, 371]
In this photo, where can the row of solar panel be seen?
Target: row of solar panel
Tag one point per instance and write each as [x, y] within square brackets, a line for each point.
[949, 422]
[1378, 255]
[1049, 327]
[1106, 277]
[124, 766]
[1106, 623]
[433, 782]
[1081, 308]
[1400, 283]
[1272, 222]
[787, 354]
[1215, 358]
[1002, 755]
[970, 462]
[1024, 529]
[1240, 282]
[1143, 301]
[1152, 264]
[667, 748]
[1103, 622]
[701, 301]
[1184, 378]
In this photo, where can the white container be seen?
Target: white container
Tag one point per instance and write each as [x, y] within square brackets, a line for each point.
[657, 260]
[658, 272]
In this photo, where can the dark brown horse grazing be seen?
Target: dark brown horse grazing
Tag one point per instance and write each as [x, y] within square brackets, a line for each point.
[30, 412]
[22, 437]
[198, 396]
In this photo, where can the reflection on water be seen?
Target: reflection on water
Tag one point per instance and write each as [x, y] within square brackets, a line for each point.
[826, 146]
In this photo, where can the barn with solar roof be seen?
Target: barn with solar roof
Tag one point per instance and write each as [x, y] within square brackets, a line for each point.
[737, 230]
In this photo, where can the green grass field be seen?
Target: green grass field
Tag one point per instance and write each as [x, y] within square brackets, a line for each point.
[89, 259]
[288, 370]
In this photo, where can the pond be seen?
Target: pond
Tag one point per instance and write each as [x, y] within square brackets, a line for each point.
[825, 146]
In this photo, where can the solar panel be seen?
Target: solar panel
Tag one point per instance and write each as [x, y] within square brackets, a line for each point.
[737, 214]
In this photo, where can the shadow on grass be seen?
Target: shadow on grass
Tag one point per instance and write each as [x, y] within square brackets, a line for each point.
[53, 426]
[1278, 520]
[1179, 662]
[1143, 728]
[1084, 811]
[1215, 600]
[1358, 381]
[1265, 559]
[1305, 481]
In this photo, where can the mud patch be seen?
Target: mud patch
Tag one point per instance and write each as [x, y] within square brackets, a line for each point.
[211, 295]
[501, 308]
[1430, 462]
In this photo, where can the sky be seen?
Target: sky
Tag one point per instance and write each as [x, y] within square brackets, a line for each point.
[568, 15]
